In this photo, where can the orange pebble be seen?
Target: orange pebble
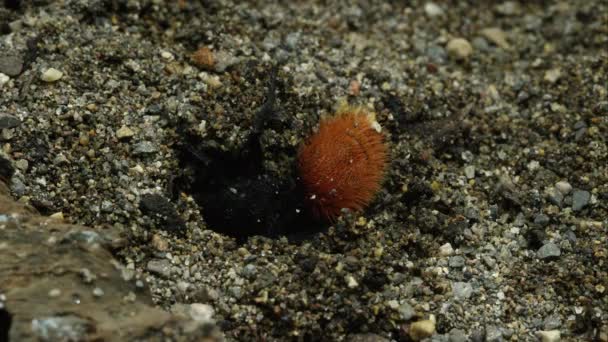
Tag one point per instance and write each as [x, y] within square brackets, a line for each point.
[203, 57]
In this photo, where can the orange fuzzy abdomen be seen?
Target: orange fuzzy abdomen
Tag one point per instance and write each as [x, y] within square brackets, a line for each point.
[342, 165]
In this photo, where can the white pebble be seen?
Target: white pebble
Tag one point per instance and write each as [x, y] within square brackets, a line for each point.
[563, 187]
[3, 79]
[549, 336]
[51, 75]
[553, 75]
[98, 292]
[201, 312]
[533, 165]
[469, 171]
[496, 36]
[54, 293]
[166, 55]
[432, 9]
[446, 250]
[351, 282]
[459, 48]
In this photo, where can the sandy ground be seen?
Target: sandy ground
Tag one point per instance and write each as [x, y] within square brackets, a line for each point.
[492, 221]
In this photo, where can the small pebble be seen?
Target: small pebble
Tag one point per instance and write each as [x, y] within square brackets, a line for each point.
[144, 147]
[53, 293]
[11, 65]
[432, 9]
[446, 250]
[457, 335]
[549, 250]
[553, 75]
[98, 292]
[57, 216]
[406, 311]
[493, 334]
[508, 8]
[351, 282]
[422, 329]
[204, 58]
[496, 36]
[124, 132]
[249, 271]
[183, 286]
[161, 267]
[224, 60]
[137, 169]
[4, 79]
[533, 165]
[469, 171]
[541, 220]
[292, 39]
[456, 261]
[554, 195]
[201, 312]
[552, 322]
[549, 336]
[211, 80]
[7, 120]
[564, 187]
[580, 199]
[160, 243]
[459, 48]
[166, 55]
[461, 290]
[22, 164]
[51, 75]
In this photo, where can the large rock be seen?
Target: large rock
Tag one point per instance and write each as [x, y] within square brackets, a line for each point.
[61, 283]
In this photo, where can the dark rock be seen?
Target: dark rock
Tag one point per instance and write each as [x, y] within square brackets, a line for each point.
[6, 168]
[478, 335]
[159, 208]
[541, 220]
[375, 279]
[8, 121]
[12, 4]
[535, 238]
[6, 319]
[306, 263]
[580, 199]
[472, 214]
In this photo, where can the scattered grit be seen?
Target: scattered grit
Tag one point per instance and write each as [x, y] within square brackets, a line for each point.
[492, 222]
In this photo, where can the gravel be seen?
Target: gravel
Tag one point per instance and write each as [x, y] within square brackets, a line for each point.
[495, 113]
